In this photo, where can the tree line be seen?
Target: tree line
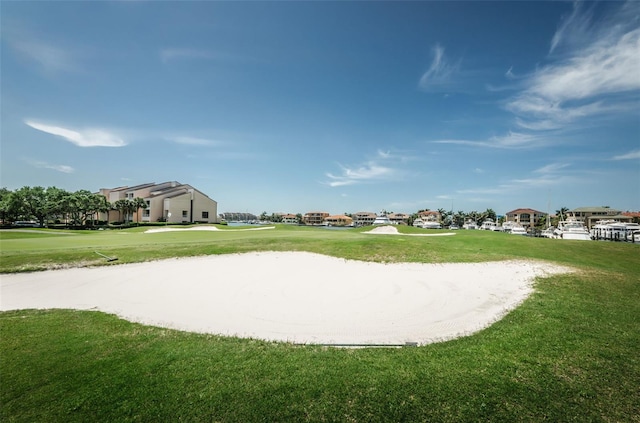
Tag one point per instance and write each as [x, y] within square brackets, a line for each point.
[52, 204]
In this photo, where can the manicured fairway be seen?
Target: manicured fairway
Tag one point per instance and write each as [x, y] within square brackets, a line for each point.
[571, 352]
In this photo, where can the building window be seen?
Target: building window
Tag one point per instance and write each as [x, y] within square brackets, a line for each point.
[185, 213]
[205, 215]
[145, 213]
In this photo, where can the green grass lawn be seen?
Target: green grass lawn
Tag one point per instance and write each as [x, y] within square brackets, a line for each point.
[571, 352]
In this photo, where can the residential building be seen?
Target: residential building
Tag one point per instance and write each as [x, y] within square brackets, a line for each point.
[339, 220]
[525, 217]
[430, 216]
[399, 218]
[590, 215]
[290, 219]
[172, 202]
[364, 218]
[314, 218]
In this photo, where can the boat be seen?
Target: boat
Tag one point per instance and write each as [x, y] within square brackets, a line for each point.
[382, 220]
[430, 224]
[572, 229]
[614, 230]
[518, 230]
[548, 233]
[426, 224]
[507, 226]
[470, 224]
[489, 225]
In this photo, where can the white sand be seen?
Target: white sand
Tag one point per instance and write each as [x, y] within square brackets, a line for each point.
[204, 228]
[296, 297]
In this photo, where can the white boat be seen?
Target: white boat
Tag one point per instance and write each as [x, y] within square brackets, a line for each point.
[507, 226]
[427, 224]
[518, 230]
[489, 225]
[382, 220]
[614, 230]
[470, 224]
[573, 230]
[548, 233]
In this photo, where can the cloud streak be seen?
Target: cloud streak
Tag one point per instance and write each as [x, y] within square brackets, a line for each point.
[45, 165]
[84, 138]
[591, 81]
[193, 141]
[441, 72]
[48, 56]
[632, 155]
[512, 140]
[378, 169]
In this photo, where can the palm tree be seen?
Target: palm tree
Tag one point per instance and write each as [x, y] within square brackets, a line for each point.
[122, 206]
[137, 204]
[562, 212]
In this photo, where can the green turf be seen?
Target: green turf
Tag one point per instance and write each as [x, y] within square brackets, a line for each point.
[571, 352]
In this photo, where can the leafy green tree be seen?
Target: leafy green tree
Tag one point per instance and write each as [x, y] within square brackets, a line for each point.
[56, 203]
[32, 203]
[8, 212]
[122, 206]
[275, 218]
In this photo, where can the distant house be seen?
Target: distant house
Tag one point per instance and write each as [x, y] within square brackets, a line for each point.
[339, 220]
[635, 216]
[430, 216]
[399, 218]
[172, 202]
[364, 218]
[314, 218]
[290, 219]
[590, 215]
[525, 217]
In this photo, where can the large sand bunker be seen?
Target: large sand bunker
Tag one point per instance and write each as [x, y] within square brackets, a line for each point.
[293, 297]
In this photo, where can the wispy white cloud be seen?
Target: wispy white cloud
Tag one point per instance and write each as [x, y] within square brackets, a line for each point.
[83, 138]
[573, 28]
[441, 71]
[511, 140]
[551, 168]
[44, 165]
[632, 155]
[170, 54]
[364, 173]
[592, 79]
[195, 141]
[50, 57]
[380, 168]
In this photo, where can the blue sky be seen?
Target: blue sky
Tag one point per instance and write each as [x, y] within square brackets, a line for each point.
[333, 106]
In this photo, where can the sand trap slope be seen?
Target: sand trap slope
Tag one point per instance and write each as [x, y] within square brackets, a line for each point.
[296, 297]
